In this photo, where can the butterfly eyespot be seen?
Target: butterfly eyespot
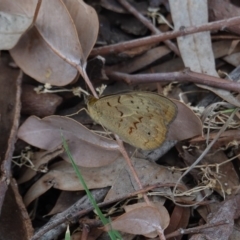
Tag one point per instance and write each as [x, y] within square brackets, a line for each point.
[149, 133]
[132, 101]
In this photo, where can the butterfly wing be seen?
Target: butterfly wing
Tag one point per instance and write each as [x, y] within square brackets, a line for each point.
[139, 118]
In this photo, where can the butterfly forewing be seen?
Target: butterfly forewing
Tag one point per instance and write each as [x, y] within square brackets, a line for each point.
[139, 118]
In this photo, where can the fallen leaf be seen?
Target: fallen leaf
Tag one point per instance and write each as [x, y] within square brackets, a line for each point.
[88, 149]
[62, 176]
[16, 18]
[196, 49]
[143, 220]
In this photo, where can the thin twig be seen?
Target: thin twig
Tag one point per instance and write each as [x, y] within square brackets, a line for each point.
[203, 155]
[195, 229]
[58, 223]
[68, 216]
[131, 167]
[148, 24]
[184, 76]
[123, 46]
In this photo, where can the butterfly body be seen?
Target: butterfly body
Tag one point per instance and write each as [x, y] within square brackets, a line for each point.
[138, 118]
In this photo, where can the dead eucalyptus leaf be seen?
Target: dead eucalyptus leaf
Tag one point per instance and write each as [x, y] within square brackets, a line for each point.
[86, 23]
[51, 51]
[186, 125]
[149, 173]
[88, 149]
[196, 49]
[16, 18]
[142, 220]
[62, 176]
[165, 218]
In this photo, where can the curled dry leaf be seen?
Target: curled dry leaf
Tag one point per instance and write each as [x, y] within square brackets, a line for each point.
[16, 18]
[62, 176]
[142, 220]
[165, 219]
[179, 219]
[51, 50]
[88, 149]
[186, 125]
[196, 49]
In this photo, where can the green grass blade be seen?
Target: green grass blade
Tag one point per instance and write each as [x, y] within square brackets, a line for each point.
[114, 235]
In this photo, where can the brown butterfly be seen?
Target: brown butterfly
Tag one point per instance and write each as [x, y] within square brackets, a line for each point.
[141, 119]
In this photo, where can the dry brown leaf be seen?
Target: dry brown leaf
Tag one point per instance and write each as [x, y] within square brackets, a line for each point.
[51, 51]
[40, 62]
[143, 220]
[186, 125]
[196, 49]
[226, 212]
[226, 175]
[233, 59]
[149, 173]
[179, 219]
[86, 23]
[16, 18]
[161, 209]
[88, 149]
[62, 176]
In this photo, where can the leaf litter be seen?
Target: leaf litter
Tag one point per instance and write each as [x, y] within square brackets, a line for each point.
[51, 43]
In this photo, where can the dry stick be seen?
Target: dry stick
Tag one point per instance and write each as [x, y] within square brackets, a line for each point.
[203, 155]
[195, 229]
[87, 80]
[36, 11]
[120, 47]
[79, 212]
[148, 24]
[6, 160]
[58, 223]
[131, 167]
[183, 76]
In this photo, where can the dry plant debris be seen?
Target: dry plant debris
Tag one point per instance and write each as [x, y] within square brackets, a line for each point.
[55, 54]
